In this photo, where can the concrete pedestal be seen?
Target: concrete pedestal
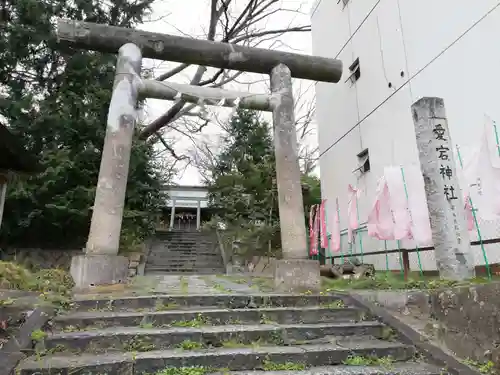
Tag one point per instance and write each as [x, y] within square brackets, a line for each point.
[297, 275]
[93, 270]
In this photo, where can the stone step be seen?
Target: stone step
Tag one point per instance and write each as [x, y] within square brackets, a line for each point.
[194, 265]
[185, 259]
[280, 315]
[395, 369]
[177, 256]
[193, 270]
[184, 256]
[177, 259]
[188, 251]
[186, 244]
[182, 272]
[182, 253]
[183, 239]
[232, 301]
[223, 358]
[184, 264]
[102, 340]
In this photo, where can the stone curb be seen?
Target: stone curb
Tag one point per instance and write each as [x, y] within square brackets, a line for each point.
[411, 337]
[13, 351]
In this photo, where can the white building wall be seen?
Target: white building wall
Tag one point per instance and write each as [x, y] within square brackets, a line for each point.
[406, 43]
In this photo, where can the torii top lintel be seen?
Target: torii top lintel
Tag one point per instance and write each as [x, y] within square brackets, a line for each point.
[104, 38]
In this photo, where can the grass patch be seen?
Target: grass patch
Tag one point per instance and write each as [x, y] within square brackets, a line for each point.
[388, 334]
[138, 344]
[392, 281]
[147, 325]
[184, 371]
[487, 368]
[54, 285]
[358, 360]
[184, 285]
[38, 335]
[160, 306]
[287, 366]
[339, 304]
[190, 345]
[199, 321]
[264, 319]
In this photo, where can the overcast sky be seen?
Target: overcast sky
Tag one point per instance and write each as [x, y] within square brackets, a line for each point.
[190, 18]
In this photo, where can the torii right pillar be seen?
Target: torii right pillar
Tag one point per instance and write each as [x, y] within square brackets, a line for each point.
[295, 272]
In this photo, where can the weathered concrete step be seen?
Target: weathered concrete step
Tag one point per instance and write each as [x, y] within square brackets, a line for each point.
[184, 251]
[231, 301]
[176, 255]
[180, 270]
[124, 338]
[185, 264]
[184, 254]
[180, 262]
[184, 271]
[181, 273]
[165, 264]
[155, 267]
[178, 273]
[231, 359]
[178, 246]
[281, 315]
[411, 368]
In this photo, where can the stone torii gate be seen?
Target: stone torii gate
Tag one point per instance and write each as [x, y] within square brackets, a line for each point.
[101, 264]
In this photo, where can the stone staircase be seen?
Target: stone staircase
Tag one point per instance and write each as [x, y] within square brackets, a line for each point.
[184, 252]
[222, 334]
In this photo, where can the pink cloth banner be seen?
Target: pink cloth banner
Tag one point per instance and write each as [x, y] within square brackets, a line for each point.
[336, 229]
[352, 211]
[380, 220]
[324, 234]
[313, 231]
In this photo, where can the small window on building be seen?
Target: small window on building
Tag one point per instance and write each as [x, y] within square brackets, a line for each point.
[355, 71]
[363, 161]
[344, 3]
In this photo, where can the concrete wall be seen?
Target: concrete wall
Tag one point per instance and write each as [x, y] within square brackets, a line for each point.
[464, 320]
[402, 43]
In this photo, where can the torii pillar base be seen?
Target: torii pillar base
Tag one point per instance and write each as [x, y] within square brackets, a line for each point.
[94, 270]
[297, 276]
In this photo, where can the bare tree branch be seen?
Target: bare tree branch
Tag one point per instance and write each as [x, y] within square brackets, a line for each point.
[235, 27]
[172, 73]
[272, 32]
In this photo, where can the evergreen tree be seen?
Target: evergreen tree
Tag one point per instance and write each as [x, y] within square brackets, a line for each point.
[57, 101]
[243, 190]
[243, 182]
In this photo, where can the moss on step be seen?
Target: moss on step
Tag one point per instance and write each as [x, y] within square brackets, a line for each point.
[487, 368]
[287, 366]
[357, 360]
[160, 306]
[139, 344]
[199, 321]
[334, 305]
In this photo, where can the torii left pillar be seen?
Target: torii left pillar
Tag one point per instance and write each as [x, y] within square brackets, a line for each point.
[101, 263]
